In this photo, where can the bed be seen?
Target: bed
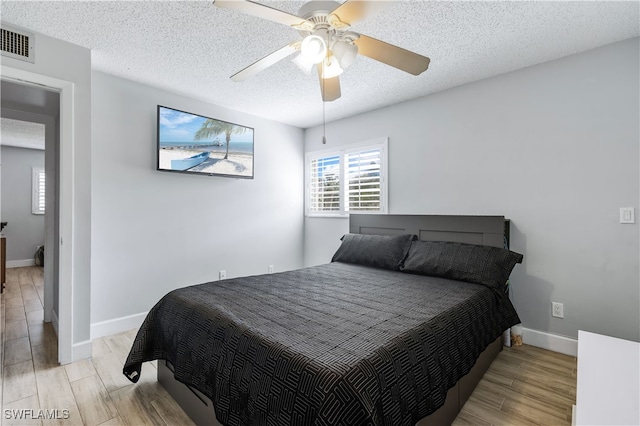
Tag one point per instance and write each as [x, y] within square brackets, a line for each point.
[378, 336]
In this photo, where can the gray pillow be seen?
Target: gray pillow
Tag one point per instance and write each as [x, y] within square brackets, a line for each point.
[380, 251]
[490, 266]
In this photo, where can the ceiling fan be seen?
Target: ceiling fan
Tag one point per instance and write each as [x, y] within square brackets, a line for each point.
[327, 44]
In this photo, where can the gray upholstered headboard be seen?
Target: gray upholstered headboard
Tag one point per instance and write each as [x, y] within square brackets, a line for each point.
[481, 230]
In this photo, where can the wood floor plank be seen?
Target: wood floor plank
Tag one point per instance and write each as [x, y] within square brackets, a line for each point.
[15, 314]
[12, 276]
[65, 417]
[16, 329]
[54, 390]
[131, 334]
[564, 402]
[24, 276]
[40, 290]
[45, 356]
[116, 421]
[534, 376]
[497, 378]
[32, 305]
[467, 419]
[80, 369]
[93, 400]
[41, 334]
[529, 408]
[100, 347]
[19, 382]
[493, 396]
[170, 412]
[135, 407]
[16, 351]
[120, 344]
[554, 366]
[477, 408]
[29, 292]
[109, 367]
[13, 301]
[18, 412]
[35, 318]
[12, 289]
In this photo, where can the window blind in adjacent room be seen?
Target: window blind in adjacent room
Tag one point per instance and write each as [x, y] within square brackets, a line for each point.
[38, 186]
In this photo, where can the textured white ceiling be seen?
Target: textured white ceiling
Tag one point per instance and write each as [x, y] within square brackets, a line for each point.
[193, 47]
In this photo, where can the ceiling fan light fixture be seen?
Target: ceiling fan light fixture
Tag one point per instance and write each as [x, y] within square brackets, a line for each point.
[314, 49]
[303, 63]
[331, 67]
[345, 52]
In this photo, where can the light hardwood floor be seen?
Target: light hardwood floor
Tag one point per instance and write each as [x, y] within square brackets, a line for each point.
[524, 386]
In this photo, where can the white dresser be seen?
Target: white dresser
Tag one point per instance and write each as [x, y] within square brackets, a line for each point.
[608, 391]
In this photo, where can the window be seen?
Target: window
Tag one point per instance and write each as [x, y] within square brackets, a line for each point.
[37, 185]
[348, 179]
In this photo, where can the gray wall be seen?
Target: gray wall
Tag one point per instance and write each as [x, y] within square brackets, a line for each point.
[26, 230]
[554, 148]
[155, 231]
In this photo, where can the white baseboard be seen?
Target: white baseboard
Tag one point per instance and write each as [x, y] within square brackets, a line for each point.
[20, 263]
[81, 350]
[552, 342]
[117, 325]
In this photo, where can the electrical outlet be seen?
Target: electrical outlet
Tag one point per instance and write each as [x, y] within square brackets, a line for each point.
[557, 310]
[627, 215]
[271, 269]
[223, 274]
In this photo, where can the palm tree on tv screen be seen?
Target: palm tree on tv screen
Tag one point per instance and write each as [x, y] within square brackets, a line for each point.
[212, 127]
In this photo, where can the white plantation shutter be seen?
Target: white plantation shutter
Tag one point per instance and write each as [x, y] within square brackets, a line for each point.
[363, 180]
[38, 185]
[324, 187]
[348, 180]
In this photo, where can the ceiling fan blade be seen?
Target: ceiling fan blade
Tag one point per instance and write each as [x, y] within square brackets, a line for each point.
[353, 11]
[266, 62]
[264, 12]
[330, 88]
[389, 54]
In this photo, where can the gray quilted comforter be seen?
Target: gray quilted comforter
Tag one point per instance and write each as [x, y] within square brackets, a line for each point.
[336, 344]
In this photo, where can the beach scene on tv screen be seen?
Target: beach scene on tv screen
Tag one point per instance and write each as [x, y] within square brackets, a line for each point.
[192, 143]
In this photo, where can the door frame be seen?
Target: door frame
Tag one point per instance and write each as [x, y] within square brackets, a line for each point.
[65, 170]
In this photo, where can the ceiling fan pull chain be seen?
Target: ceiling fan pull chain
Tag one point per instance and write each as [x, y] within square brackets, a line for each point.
[324, 107]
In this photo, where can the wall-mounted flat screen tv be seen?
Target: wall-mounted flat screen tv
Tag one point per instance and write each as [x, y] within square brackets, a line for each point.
[192, 143]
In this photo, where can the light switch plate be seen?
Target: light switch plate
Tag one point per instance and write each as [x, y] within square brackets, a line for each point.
[627, 215]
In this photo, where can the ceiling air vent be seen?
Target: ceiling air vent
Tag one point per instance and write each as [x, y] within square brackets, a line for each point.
[17, 43]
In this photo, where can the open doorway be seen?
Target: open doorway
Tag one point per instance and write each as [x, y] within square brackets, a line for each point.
[25, 109]
[73, 300]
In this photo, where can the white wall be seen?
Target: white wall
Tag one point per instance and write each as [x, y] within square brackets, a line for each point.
[554, 148]
[156, 231]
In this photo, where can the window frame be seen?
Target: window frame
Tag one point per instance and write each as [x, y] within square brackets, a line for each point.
[342, 152]
[38, 192]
